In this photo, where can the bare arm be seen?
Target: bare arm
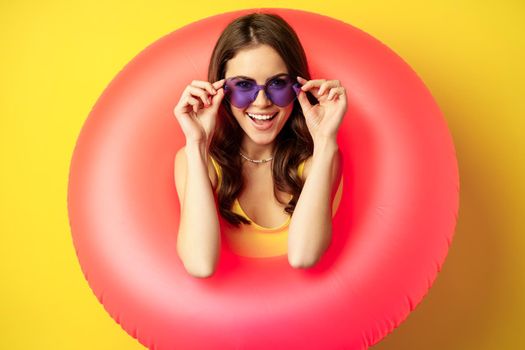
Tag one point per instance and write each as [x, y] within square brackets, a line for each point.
[310, 230]
[198, 240]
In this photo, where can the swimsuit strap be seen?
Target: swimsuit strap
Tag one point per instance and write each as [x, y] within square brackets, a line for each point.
[218, 172]
[301, 168]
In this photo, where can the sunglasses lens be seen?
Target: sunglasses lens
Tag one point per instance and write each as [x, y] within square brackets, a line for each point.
[281, 91]
[241, 93]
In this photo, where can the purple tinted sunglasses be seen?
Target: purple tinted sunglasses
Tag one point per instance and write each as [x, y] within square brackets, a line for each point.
[281, 90]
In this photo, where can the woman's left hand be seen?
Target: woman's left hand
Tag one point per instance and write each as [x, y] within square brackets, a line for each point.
[323, 119]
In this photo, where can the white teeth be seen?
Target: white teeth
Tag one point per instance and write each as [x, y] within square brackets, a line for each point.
[260, 116]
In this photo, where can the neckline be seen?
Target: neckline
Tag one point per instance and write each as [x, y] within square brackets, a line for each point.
[283, 225]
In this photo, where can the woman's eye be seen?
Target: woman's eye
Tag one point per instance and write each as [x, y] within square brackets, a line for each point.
[244, 84]
[278, 83]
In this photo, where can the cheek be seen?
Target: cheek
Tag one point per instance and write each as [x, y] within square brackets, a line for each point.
[239, 114]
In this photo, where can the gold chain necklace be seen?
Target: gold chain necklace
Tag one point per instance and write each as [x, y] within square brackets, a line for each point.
[256, 160]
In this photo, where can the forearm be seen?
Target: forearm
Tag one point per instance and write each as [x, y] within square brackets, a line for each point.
[199, 239]
[310, 230]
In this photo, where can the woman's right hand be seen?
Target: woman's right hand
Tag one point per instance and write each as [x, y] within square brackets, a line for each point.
[197, 109]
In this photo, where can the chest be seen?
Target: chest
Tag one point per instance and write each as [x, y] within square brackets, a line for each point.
[257, 198]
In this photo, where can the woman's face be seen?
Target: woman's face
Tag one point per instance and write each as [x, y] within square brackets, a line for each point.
[259, 63]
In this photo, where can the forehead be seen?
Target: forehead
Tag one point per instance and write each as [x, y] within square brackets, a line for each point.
[258, 63]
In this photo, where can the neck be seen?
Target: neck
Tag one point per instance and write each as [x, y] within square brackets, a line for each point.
[255, 151]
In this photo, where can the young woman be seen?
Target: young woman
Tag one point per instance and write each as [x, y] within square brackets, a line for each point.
[260, 147]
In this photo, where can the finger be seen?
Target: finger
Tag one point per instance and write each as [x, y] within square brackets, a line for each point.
[204, 85]
[195, 103]
[303, 101]
[198, 92]
[312, 84]
[216, 100]
[187, 103]
[301, 80]
[218, 84]
[328, 84]
[183, 106]
[336, 91]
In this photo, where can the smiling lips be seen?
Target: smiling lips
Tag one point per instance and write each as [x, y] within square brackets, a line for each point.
[262, 121]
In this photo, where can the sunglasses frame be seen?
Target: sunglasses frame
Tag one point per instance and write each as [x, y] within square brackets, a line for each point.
[295, 86]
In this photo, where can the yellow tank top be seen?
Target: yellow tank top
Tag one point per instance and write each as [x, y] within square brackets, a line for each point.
[253, 240]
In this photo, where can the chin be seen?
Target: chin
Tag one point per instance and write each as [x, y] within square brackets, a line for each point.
[262, 139]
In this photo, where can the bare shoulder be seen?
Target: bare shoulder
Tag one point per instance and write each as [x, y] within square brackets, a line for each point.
[180, 166]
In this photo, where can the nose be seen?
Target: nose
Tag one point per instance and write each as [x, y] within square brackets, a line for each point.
[262, 99]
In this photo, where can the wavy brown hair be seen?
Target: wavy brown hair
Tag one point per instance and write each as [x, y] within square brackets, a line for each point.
[294, 142]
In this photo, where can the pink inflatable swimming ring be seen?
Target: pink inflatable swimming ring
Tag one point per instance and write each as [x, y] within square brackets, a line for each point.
[391, 232]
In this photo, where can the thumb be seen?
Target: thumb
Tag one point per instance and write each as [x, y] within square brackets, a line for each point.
[218, 84]
[303, 101]
[217, 98]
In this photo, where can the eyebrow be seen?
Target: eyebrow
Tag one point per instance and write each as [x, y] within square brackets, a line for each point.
[270, 78]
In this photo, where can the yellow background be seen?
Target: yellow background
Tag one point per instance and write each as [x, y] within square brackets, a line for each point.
[58, 56]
